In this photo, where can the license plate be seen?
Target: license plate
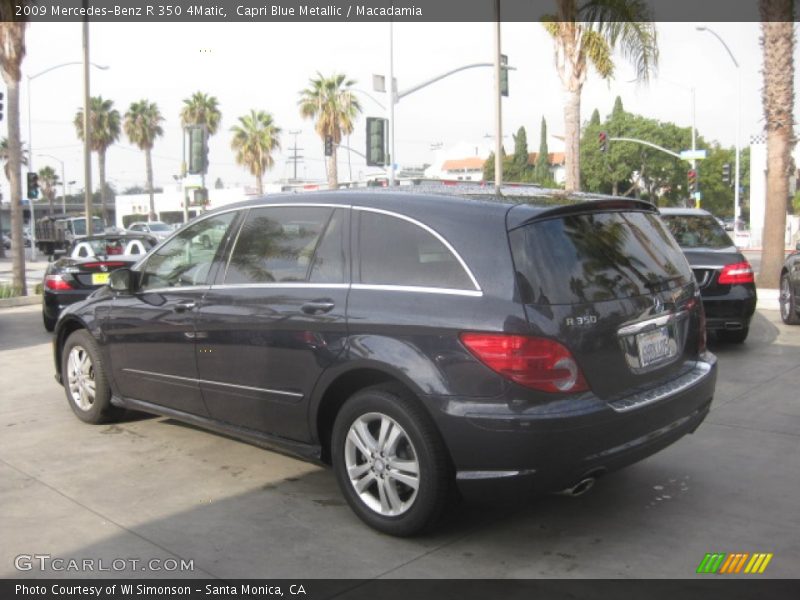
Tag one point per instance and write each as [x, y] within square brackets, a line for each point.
[654, 346]
[99, 278]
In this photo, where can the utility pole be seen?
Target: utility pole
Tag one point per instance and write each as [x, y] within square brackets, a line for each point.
[498, 106]
[87, 156]
[295, 158]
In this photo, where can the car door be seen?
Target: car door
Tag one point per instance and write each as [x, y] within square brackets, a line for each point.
[276, 317]
[151, 333]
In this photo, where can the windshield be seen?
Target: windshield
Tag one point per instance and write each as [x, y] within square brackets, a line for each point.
[595, 257]
[697, 231]
[79, 226]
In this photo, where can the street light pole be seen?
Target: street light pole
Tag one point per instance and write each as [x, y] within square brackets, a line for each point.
[498, 106]
[737, 184]
[87, 157]
[392, 102]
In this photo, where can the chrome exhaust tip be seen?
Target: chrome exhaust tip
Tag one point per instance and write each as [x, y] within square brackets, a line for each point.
[580, 488]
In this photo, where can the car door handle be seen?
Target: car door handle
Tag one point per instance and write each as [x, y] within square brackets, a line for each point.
[317, 306]
[184, 305]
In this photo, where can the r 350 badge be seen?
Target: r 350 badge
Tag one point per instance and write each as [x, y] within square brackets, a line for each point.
[584, 321]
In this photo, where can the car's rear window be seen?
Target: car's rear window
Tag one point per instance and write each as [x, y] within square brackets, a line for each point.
[594, 257]
[697, 231]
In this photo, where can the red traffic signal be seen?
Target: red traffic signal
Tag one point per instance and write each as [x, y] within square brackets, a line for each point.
[603, 141]
[691, 177]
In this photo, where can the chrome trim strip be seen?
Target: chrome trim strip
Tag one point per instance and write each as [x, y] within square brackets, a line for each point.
[210, 382]
[676, 386]
[418, 289]
[433, 232]
[479, 475]
[330, 286]
[709, 267]
[235, 242]
[653, 323]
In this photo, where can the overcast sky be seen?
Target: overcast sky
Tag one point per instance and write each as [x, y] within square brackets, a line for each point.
[264, 65]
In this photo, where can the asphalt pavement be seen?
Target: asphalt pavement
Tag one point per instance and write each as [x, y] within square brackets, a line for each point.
[153, 488]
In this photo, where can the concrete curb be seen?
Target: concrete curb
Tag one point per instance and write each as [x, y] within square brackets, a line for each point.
[20, 301]
[768, 299]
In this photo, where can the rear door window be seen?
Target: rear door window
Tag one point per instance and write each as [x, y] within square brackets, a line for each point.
[288, 245]
[697, 231]
[397, 252]
[595, 257]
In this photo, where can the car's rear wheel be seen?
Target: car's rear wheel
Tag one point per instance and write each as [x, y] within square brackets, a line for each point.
[85, 380]
[390, 461]
[788, 302]
[737, 336]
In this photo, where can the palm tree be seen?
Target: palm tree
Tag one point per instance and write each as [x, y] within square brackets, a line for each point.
[777, 43]
[48, 179]
[254, 139]
[590, 34]
[201, 109]
[331, 101]
[12, 51]
[142, 126]
[5, 156]
[105, 130]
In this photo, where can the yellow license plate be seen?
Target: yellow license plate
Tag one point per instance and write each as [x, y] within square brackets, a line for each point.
[99, 278]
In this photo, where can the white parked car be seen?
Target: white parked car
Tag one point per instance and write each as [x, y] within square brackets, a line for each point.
[155, 228]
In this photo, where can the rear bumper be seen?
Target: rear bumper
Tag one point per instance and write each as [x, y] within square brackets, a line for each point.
[53, 304]
[549, 447]
[731, 310]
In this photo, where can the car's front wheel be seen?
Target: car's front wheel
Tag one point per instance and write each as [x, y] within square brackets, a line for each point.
[390, 461]
[85, 380]
[788, 302]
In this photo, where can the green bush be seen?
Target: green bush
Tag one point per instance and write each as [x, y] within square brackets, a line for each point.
[7, 291]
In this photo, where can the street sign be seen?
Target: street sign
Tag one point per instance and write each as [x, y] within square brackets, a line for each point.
[693, 154]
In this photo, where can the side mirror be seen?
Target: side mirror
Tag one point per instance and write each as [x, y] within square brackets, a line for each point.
[123, 281]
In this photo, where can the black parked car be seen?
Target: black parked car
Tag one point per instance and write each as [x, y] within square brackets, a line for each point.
[725, 277]
[413, 341]
[91, 259]
[790, 288]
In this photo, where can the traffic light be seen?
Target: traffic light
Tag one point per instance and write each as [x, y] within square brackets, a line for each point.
[198, 149]
[200, 197]
[33, 185]
[726, 173]
[691, 177]
[1, 106]
[503, 75]
[328, 145]
[377, 150]
[602, 141]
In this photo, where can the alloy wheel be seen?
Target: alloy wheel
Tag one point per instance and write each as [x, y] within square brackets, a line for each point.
[80, 378]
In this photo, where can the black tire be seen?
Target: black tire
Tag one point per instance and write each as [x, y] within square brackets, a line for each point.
[787, 301]
[434, 478]
[99, 409]
[737, 336]
[49, 323]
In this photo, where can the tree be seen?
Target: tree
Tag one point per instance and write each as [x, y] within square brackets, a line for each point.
[331, 101]
[105, 130]
[12, 52]
[590, 34]
[48, 180]
[254, 139]
[218, 185]
[142, 126]
[520, 158]
[5, 156]
[777, 44]
[541, 172]
[201, 109]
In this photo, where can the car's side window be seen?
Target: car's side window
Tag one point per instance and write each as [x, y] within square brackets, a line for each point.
[394, 251]
[186, 260]
[279, 244]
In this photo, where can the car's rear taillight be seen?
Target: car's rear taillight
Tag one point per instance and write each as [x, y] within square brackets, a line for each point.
[537, 363]
[740, 272]
[57, 283]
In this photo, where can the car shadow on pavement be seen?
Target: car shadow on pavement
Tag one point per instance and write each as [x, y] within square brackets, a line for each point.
[762, 333]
